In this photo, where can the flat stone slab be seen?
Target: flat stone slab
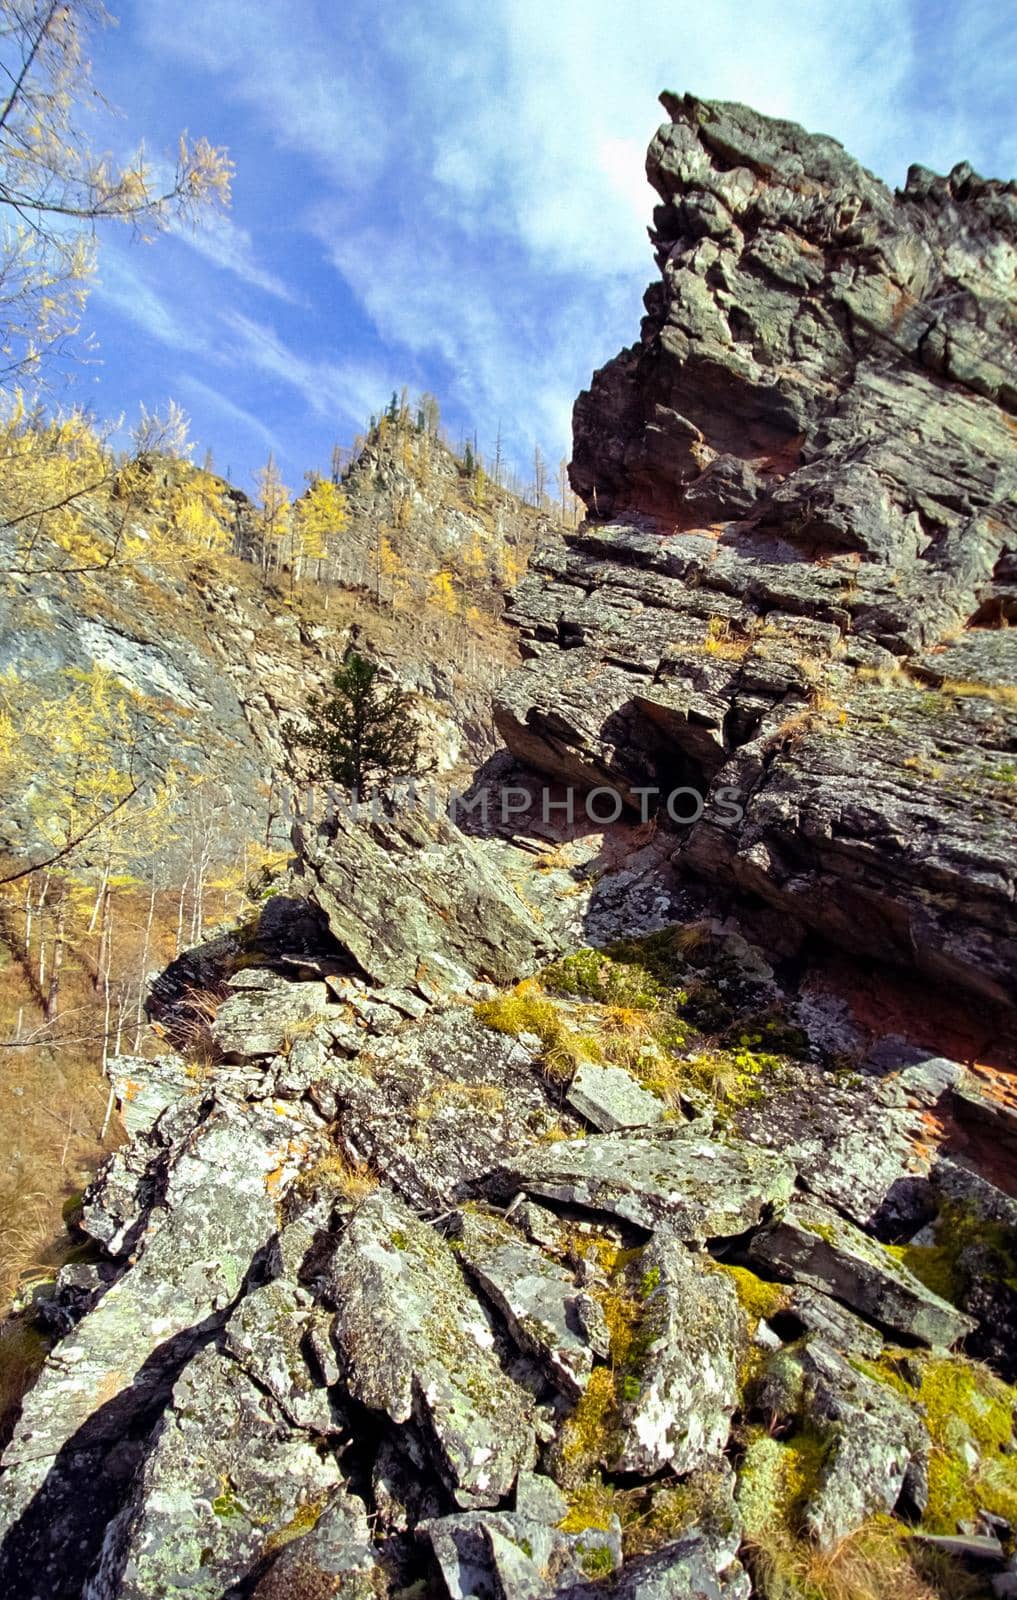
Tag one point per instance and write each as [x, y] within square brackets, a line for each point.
[700, 1188]
[417, 1344]
[261, 1018]
[538, 1298]
[811, 1244]
[610, 1098]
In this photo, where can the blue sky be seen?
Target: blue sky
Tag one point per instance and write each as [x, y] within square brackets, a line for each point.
[451, 195]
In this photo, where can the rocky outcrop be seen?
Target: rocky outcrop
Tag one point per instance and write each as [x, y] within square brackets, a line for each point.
[654, 1274]
[375, 1309]
[791, 591]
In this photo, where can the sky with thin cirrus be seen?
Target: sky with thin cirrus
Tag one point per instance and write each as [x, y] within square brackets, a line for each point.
[452, 196]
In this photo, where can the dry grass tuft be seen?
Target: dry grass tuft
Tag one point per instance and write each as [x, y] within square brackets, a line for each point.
[353, 1180]
[876, 1562]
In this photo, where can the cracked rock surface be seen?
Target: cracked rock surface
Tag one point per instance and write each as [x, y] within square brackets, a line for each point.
[792, 589]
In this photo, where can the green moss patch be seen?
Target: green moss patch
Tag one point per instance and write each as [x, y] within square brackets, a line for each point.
[970, 1414]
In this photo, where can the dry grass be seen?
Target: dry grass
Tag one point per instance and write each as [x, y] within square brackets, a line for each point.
[191, 1031]
[22, 1353]
[476, 1096]
[555, 859]
[353, 1180]
[526, 1009]
[725, 644]
[877, 1562]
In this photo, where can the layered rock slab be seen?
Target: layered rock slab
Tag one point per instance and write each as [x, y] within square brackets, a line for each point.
[699, 1188]
[811, 1244]
[82, 1424]
[415, 1344]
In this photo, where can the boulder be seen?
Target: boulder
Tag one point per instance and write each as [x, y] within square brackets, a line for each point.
[85, 1421]
[223, 1478]
[417, 904]
[265, 1013]
[415, 1343]
[679, 1385]
[874, 1448]
[432, 1107]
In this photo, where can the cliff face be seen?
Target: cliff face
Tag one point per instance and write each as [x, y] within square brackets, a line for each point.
[801, 556]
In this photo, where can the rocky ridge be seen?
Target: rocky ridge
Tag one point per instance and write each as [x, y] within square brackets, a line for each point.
[374, 1304]
[217, 657]
[516, 1225]
[795, 583]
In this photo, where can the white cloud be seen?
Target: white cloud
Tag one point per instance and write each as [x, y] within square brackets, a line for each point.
[227, 245]
[477, 177]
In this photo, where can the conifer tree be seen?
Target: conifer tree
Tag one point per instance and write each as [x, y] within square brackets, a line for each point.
[359, 733]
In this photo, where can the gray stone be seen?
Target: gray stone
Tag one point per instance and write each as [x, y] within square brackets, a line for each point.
[222, 1476]
[267, 1336]
[700, 1188]
[497, 1555]
[336, 1557]
[539, 1499]
[265, 1019]
[537, 1297]
[689, 1569]
[417, 904]
[833, 1322]
[611, 1098]
[680, 1387]
[415, 1343]
[144, 1088]
[877, 1445]
[66, 1465]
[433, 1107]
[811, 1244]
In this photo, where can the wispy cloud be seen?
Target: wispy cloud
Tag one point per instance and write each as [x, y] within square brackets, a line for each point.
[225, 244]
[475, 183]
[124, 284]
[211, 400]
[330, 389]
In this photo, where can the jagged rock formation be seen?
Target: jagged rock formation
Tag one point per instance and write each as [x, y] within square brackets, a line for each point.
[656, 1275]
[374, 1308]
[799, 564]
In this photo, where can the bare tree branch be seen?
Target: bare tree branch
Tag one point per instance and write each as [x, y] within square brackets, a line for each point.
[72, 844]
